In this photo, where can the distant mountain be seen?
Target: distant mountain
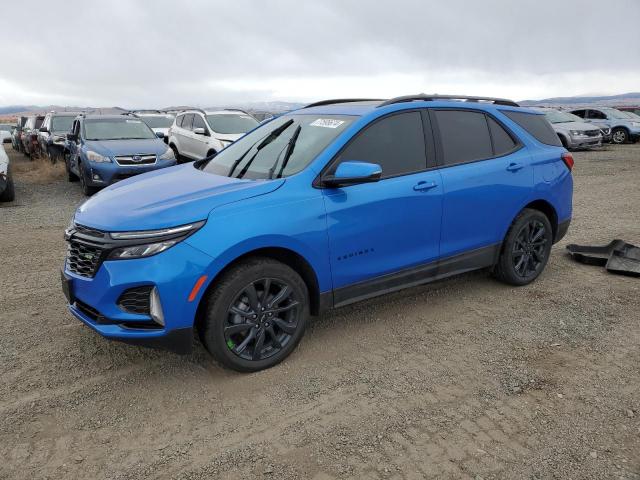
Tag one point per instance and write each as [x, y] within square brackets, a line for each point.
[632, 98]
[39, 109]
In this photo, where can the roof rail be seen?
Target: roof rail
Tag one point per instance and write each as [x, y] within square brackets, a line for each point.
[236, 110]
[341, 100]
[427, 98]
[193, 109]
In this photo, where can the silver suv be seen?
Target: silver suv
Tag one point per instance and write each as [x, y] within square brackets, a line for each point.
[197, 134]
[572, 130]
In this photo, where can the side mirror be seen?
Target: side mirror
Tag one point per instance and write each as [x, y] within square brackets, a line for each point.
[352, 173]
[72, 137]
[199, 131]
[159, 134]
[44, 130]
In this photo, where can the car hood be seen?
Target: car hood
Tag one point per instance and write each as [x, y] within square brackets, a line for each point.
[229, 137]
[111, 148]
[580, 126]
[166, 198]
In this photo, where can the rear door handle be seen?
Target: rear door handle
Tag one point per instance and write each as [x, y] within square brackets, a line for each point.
[424, 186]
[514, 167]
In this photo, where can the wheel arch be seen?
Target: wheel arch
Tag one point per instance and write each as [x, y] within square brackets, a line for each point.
[548, 210]
[284, 255]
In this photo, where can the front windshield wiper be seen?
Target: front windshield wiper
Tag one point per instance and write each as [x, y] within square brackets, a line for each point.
[287, 155]
[270, 138]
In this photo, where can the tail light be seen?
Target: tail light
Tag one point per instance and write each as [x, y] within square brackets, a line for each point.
[567, 158]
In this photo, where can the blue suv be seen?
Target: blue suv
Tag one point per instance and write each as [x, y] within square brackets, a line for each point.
[103, 149]
[331, 204]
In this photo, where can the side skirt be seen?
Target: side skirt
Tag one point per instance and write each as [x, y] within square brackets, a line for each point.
[465, 262]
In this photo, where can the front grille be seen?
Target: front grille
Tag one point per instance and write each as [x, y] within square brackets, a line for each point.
[142, 159]
[124, 176]
[89, 231]
[83, 259]
[136, 300]
[592, 133]
[86, 248]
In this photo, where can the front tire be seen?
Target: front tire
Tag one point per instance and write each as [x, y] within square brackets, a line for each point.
[86, 189]
[619, 136]
[256, 315]
[526, 248]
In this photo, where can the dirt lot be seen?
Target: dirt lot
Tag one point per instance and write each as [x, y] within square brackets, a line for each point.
[465, 378]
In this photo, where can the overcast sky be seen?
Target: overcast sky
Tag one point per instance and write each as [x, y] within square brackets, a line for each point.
[137, 53]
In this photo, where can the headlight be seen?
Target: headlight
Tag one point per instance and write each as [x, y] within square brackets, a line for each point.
[635, 124]
[167, 155]
[96, 157]
[576, 133]
[139, 251]
[157, 241]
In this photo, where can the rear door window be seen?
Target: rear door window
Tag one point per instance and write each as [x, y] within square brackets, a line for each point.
[503, 142]
[536, 125]
[464, 136]
[396, 143]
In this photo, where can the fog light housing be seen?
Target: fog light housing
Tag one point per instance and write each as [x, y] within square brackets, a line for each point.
[156, 307]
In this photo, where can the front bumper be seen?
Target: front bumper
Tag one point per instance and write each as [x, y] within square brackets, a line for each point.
[585, 141]
[104, 174]
[173, 272]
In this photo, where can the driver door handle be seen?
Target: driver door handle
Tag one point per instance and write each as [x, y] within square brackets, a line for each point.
[423, 186]
[514, 167]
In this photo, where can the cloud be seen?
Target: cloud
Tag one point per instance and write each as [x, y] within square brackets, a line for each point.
[143, 53]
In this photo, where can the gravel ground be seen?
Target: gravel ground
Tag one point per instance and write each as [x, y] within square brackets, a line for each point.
[464, 378]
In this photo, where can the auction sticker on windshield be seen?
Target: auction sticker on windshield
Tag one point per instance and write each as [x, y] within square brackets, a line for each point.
[326, 123]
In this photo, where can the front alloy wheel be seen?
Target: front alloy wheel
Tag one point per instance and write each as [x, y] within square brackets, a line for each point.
[619, 136]
[255, 314]
[261, 320]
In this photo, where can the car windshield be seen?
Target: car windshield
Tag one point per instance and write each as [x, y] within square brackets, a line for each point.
[612, 112]
[230, 123]
[116, 129]
[61, 124]
[556, 116]
[261, 153]
[158, 121]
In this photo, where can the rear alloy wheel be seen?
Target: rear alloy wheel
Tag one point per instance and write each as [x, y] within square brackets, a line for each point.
[619, 136]
[256, 315]
[526, 249]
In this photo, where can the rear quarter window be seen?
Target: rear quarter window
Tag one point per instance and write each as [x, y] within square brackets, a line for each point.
[536, 125]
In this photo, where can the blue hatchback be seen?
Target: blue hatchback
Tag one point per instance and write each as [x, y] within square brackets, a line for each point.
[104, 149]
[331, 204]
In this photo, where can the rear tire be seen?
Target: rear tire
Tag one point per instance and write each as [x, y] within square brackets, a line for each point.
[525, 249]
[246, 329]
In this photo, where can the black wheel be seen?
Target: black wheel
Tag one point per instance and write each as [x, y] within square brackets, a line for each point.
[9, 193]
[256, 315]
[175, 152]
[619, 136]
[526, 248]
[86, 189]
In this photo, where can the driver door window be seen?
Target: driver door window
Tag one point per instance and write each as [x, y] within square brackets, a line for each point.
[396, 143]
